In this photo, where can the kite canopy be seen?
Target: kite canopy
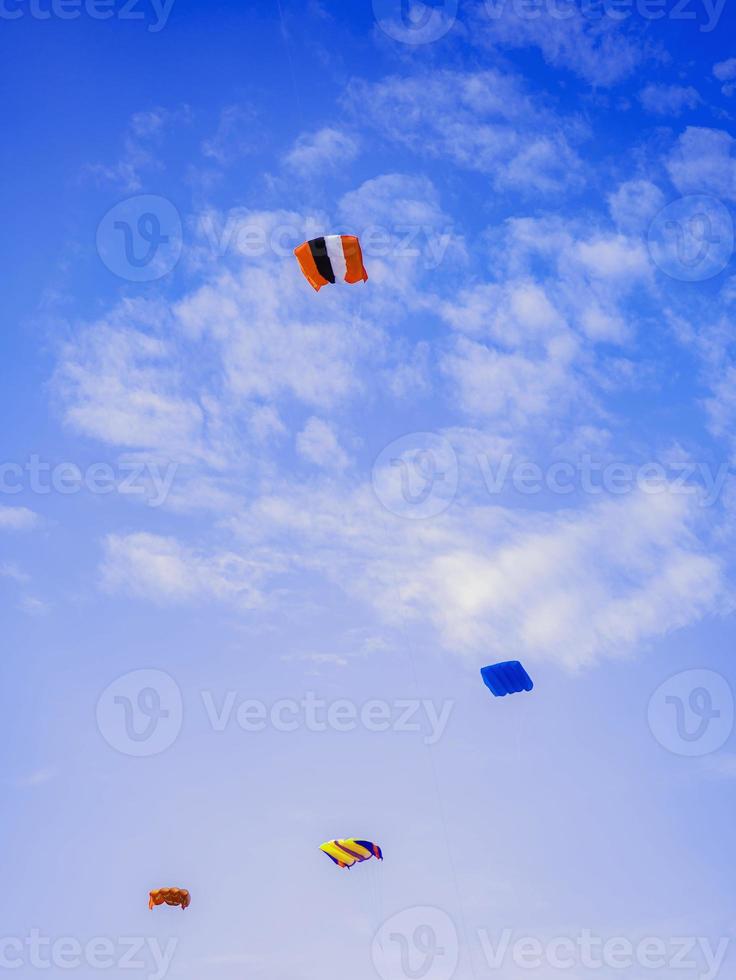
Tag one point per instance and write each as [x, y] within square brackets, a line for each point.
[506, 678]
[332, 259]
[169, 896]
[346, 853]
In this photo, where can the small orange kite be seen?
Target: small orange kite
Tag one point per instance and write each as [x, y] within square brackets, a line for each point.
[169, 896]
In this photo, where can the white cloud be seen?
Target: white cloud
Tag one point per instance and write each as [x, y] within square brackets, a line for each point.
[571, 586]
[318, 444]
[613, 258]
[124, 387]
[142, 139]
[37, 778]
[725, 71]
[17, 519]
[33, 606]
[10, 571]
[601, 51]
[483, 121]
[237, 135]
[721, 405]
[273, 338]
[163, 570]
[634, 204]
[529, 354]
[327, 149]
[669, 100]
[703, 162]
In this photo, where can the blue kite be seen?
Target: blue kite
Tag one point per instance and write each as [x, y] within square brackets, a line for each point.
[506, 678]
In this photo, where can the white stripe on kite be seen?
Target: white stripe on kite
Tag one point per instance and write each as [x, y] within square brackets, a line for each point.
[337, 256]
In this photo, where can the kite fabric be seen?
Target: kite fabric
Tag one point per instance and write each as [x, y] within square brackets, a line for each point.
[169, 896]
[335, 258]
[506, 678]
[346, 853]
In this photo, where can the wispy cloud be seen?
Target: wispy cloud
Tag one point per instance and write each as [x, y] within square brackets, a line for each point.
[18, 519]
[704, 161]
[141, 144]
[164, 570]
[725, 71]
[37, 778]
[238, 134]
[326, 149]
[318, 444]
[602, 51]
[483, 121]
[669, 100]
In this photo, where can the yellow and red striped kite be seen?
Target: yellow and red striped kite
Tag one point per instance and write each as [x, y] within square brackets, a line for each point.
[346, 853]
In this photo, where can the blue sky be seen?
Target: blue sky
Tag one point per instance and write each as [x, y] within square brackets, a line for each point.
[258, 541]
